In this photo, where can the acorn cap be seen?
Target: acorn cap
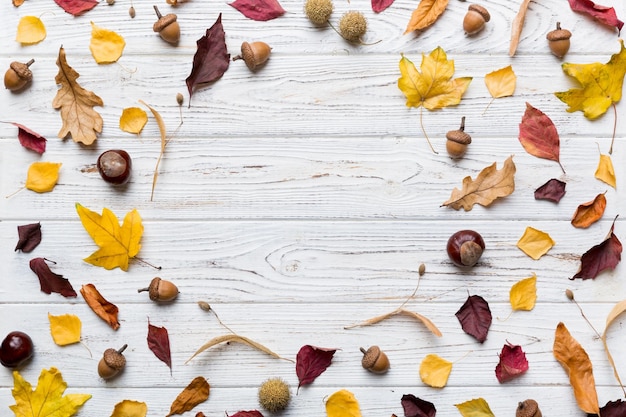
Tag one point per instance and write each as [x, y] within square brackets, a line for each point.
[528, 408]
[163, 21]
[369, 356]
[22, 69]
[459, 136]
[153, 289]
[480, 10]
[558, 34]
[114, 358]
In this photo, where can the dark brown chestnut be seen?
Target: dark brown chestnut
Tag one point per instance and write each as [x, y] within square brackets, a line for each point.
[115, 166]
[16, 348]
[465, 248]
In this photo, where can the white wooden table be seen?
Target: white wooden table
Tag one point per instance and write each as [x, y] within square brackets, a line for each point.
[301, 199]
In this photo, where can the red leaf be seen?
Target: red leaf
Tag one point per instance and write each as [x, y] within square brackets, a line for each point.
[512, 363]
[606, 255]
[538, 135]
[159, 344]
[211, 59]
[475, 317]
[29, 237]
[30, 140]
[380, 5]
[553, 190]
[416, 407]
[259, 9]
[252, 413]
[76, 7]
[311, 361]
[612, 409]
[49, 281]
[604, 14]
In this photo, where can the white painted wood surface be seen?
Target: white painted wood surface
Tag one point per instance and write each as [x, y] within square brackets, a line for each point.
[301, 199]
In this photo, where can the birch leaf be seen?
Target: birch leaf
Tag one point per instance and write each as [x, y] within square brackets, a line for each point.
[535, 243]
[523, 294]
[133, 120]
[130, 408]
[195, 393]
[30, 30]
[475, 317]
[477, 407]
[605, 171]
[538, 135]
[590, 212]
[106, 46]
[65, 329]
[342, 403]
[501, 83]
[233, 338]
[435, 370]
[426, 13]
[42, 176]
[615, 312]
[400, 311]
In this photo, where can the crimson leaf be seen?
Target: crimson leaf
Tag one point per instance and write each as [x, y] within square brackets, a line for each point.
[512, 363]
[30, 140]
[311, 361]
[380, 5]
[251, 413]
[159, 344]
[605, 255]
[29, 237]
[259, 9]
[76, 7]
[612, 409]
[49, 281]
[553, 190]
[604, 14]
[475, 317]
[211, 59]
[416, 407]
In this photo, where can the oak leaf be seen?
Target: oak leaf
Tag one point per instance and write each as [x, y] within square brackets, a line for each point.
[603, 14]
[426, 13]
[80, 120]
[195, 393]
[76, 7]
[106, 46]
[416, 407]
[539, 136]
[475, 317]
[311, 362]
[553, 190]
[29, 237]
[535, 243]
[130, 408]
[30, 139]
[489, 185]
[30, 30]
[606, 255]
[103, 308]
[133, 120]
[65, 329]
[477, 407]
[435, 370]
[605, 171]
[159, 343]
[512, 363]
[590, 212]
[523, 294]
[42, 176]
[342, 403]
[50, 282]
[260, 10]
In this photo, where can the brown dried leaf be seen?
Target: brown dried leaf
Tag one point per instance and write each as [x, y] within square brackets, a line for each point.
[616, 311]
[228, 338]
[195, 393]
[516, 27]
[590, 212]
[400, 311]
[103, 308]
[427, 12]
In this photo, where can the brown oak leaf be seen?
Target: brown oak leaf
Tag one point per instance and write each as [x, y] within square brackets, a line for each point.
[103, 308]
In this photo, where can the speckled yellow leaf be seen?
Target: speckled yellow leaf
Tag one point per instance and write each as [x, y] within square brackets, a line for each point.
[106, 46]
[30, 30]
[605, 171]
[477, 407]
[133, 119]
[535, 243]
[342, 403]
[523, 294]
[42, 176]
[65, 329]
[435, 370]
[130, 408]
[501, 83]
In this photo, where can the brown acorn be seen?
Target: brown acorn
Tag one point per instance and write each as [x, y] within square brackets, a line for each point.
[375, 360]
[528, 408]
[112, 362]
[167, 27]
[457, 142]
[161, 290]
[475, 19]
[18, 75]
[254, 54]
[558, 40]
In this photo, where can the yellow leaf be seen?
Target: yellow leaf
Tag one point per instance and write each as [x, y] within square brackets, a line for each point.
[30, 30]
[434, 371]
[535, 243]
[523, 294]
[605, 171]
[65, 329]
[42, 176]
[133, 119]
[501, 83]
[477, 407]
[342, 403]
[130, 408]
[117, 244]
[47, 399]
[106, 46]
[427, 12]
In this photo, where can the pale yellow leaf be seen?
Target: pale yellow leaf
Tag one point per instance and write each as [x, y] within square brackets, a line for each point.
[615, 312]
[535, 243]
[65, 329]
[106, 46]
[605, 171]
[133, 120]
[523, 294]
[501, 83]
[30, 30]
[434, 371]
[130, 408]
[42, 176]
[342, 403]
[477, 407]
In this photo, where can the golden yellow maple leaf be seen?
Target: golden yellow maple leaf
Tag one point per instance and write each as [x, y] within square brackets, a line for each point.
[65, 329]
[117, 244]
[133, 119]
[47, 399]
[30, 30]
[535, 243]
[130, 408]
[605, 171]
[489, 185]
[106, 46]
[477, 407]
[342, 403]
[80, 120]
[426, 13]
[523, 294]
[42, 176]
[434, 370]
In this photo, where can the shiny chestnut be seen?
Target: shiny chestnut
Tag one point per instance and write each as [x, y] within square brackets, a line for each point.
[16, 348]
[115, 166]
[465, 247]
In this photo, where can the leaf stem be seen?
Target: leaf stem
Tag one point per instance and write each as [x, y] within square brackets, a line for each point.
[614, 128]
[424, 131]
[158, 268]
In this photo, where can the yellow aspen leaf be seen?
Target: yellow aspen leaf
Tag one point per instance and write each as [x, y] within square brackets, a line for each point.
[434, 371]
[478, 407]
[130, 408]
[501, 83]
[590, 212]
[615, 312]
[47, 398]
[195, 393]
[106, 46]
[427, 12]
[42, 176]
[117, 244]
[65, 329]
[342, 403]
[605, 171]
[523, 294]
[535, 243]
[133, 120]
[30, 30]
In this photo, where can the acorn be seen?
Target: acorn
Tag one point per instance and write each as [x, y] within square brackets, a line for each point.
[375, 360]
[475, 19]
[457, 141]
[528, 408]
[167, 27]
[558, 40]
[274, 395]
[161, 290]
[18, 75]
[254, 54]
[112, 362]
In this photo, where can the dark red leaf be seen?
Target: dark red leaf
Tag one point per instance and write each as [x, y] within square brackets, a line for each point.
[29, 237]
[553, 190]
[252, 413]
[380, 5]
[76, 7]
[475, 317]
[512, 363]
[311, 361]
[211, 59]
[259, 9]
[30, 140]
[604, 14]
[159, 344]
[612, 409]
[49, 281]
[606, 255]
[416, 407]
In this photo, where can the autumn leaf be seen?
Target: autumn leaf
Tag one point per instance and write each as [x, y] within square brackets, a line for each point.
[50, 282]
[164, 141]
[234, 338]
[30, 139]
[47, 399]
[76, 7]
[523, 294]
[133, 120]
[250, 413]
[195, 393]
[489, 185]
[103, 308]
[311, 362]
[477, 407]
[29, 237]
[260, 10]
[475, 317]
[159, 344]
[80, 120]
[603, 14]
[65, 329]
[517, 26]
[130, 408]
[615, 312]
[512, 363]
[590, 212]
[535, 243]
[577, 364]
[342, 403]
[380, 5]
[435, 370]
[42, 176]
[605, 171]
[106, 46]
[612, 409]
[416, 407]
[553, 190]
[427, 12]
[117, 244]
[400, 311]
[501, 83]
[606, 255]
[30, 30]
[539, 136]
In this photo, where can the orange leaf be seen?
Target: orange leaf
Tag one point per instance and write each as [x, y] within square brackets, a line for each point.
[104, 309]
[195, 393]
[590, 212]
[427, 12]
[538, 135]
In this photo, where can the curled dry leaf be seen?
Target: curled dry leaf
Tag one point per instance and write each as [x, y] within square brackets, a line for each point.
[65, 329]
[605, 171]
[477, 407]
[342, 403]
[475, 317]
[435, 370]
[103, 308]
[538, 135]
[517, 26]
[159, 344]
[535, 243]
[30, 30]
[399, 311]
[416, 407]
[311, 362]
[106, 46]
[606, 255]
[615, 312]
[195, 393]
[427, 13]
[553, 190]
[30, 139]
[603, 14]
[233, 338]
[42, 177]
[49, 281]
[29, 237]
[512, 364]
[590, 212]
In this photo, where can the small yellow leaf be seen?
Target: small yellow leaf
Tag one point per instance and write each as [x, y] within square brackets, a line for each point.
[30, 30]
[133, 119]
[501, 83]
[477, 407]
[535, 243]
[42, 176]
[523, 294]
[605, 171]
[130, 408]
[106, 46]
[342, 403]
[65, 329]
[434, 371]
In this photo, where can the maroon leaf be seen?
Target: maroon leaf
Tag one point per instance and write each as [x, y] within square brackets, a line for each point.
[512, 363]
[612, 409]
[29, 237]
[553, 190]
[211, 59]
[311, 361]
[259, 9]
[159, 344]
[475, 317]
[416, 407]
[30, 140]
[606, 255]
[604, 14]
[380, 5]
[76, 7]
[252, 413]
[49, 281]
[538, 135]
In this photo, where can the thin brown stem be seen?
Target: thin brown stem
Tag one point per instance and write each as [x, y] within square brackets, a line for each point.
[614, 128]
[141, 261]
[424, 131]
